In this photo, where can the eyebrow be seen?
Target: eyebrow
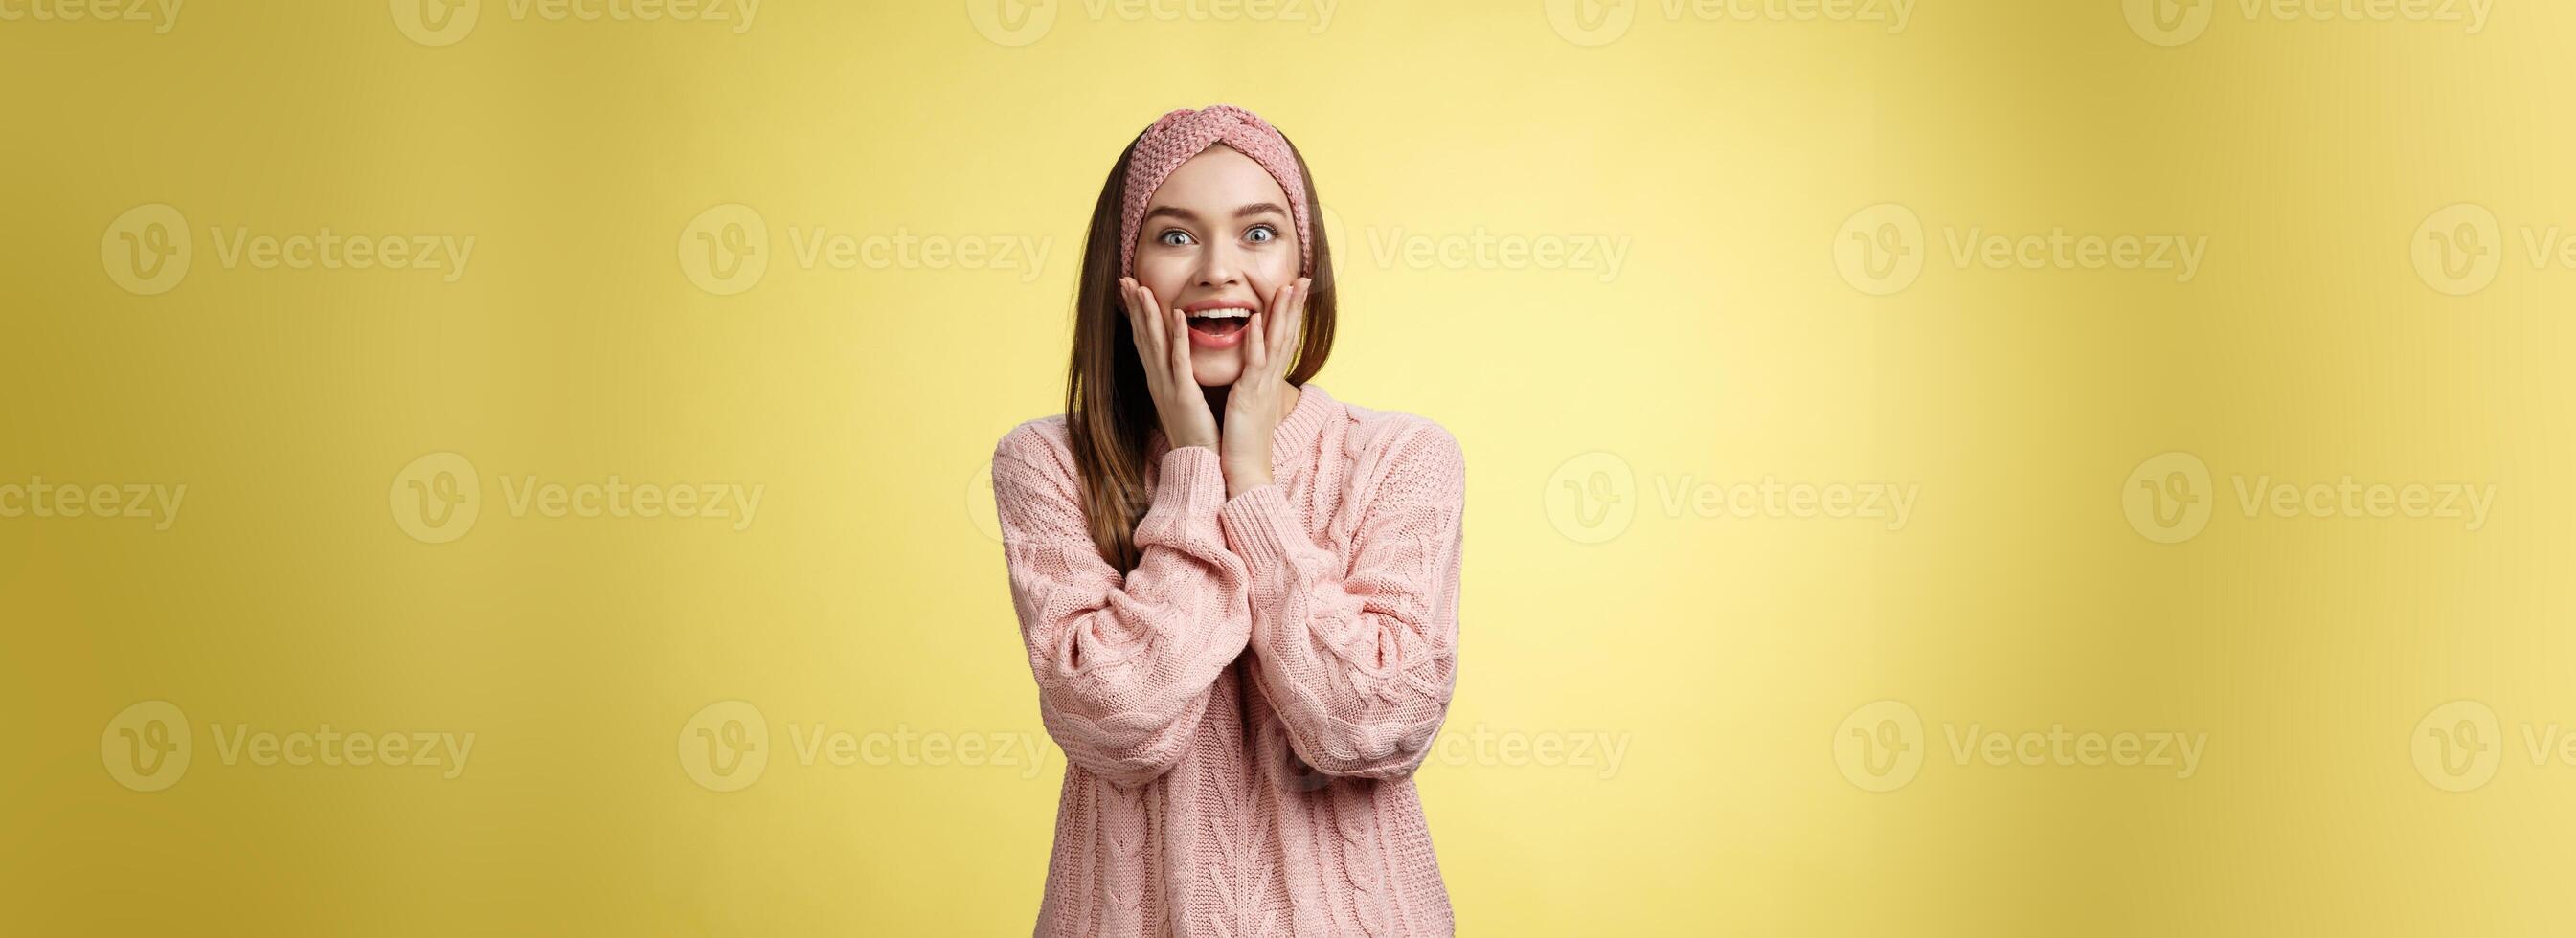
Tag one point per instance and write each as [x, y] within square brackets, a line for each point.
[1183, 214]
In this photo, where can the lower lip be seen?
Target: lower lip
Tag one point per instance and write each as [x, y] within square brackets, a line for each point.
[1218, 342]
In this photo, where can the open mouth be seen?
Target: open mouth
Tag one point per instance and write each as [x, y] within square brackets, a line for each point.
[1222, 322]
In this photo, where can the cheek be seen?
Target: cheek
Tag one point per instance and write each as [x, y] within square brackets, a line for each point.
[1273, 272]
[1163, 277]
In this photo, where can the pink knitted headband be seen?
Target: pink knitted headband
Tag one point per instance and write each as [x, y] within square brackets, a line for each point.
[1181, 134]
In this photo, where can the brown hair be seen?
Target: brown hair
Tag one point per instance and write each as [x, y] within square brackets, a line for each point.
[1107, 408]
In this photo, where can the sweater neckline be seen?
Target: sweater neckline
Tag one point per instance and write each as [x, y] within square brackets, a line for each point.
[1296, 434]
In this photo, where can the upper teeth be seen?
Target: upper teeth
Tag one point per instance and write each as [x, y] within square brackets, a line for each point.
[1223, 312]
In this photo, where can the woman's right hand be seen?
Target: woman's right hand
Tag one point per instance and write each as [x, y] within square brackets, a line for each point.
[1163, 344]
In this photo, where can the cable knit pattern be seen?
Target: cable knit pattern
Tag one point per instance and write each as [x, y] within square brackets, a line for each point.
[1241, 714]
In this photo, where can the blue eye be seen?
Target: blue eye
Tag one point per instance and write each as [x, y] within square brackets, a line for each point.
[1262, 229]
[1170, 233]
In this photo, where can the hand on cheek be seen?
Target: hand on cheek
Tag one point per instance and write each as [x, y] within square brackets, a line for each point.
[1258, 401]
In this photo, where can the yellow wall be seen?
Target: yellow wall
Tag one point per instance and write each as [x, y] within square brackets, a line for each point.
[1722, 246]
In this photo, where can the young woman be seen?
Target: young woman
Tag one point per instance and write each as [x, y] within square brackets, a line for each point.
[1239, 595]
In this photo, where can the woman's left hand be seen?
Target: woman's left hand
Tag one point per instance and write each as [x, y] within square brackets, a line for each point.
[1259, 399]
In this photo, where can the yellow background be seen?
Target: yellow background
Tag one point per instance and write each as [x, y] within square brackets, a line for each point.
[868, 594]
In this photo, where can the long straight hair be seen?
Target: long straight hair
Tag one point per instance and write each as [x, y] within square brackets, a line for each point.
[1108, 407]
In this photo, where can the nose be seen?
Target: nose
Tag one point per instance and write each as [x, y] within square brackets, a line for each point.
[1220, 266]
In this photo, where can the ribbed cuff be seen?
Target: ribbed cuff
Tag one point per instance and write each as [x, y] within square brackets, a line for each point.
[1191, 480]
[1252, 523]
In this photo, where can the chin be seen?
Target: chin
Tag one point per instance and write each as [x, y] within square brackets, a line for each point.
[1216, 375]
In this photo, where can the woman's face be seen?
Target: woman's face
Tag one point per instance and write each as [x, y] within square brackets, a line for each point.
[1217, 241]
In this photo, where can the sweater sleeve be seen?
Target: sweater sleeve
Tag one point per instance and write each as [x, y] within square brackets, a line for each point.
[1124, 664]
[1360, 660]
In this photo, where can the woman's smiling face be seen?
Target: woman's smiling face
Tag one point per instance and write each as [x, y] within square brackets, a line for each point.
[1217, 242]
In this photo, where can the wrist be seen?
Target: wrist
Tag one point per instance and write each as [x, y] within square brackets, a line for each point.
[1239, 481]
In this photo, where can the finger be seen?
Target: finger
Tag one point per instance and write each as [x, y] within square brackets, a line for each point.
[1180, 326]
[1255, 357]
[1152, 313]
[1135, 322]
[1283, 328]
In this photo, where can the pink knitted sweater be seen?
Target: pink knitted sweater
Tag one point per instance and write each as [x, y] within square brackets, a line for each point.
[1241, 715]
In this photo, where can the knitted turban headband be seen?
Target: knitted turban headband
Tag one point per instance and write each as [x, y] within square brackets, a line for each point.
[1181, 134]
